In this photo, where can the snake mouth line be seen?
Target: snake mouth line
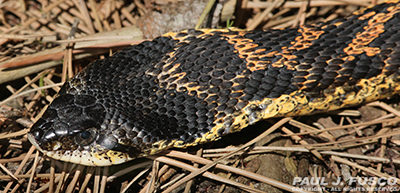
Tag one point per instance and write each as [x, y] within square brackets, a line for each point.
[32, 139]
[84, 157]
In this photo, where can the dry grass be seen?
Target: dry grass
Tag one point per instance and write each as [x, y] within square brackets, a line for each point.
[44, 42]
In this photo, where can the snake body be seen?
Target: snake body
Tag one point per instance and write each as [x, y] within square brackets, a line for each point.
[194, 86]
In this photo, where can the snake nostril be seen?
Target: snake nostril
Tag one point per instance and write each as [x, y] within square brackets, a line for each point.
[37, 129]
[37, 134]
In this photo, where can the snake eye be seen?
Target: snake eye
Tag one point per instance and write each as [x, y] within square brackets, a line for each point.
[86, 137]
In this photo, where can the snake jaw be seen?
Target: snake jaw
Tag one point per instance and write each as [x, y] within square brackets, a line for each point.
[32, 139]
[93, 156]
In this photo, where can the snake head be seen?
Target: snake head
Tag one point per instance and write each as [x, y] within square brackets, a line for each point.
[70, 130]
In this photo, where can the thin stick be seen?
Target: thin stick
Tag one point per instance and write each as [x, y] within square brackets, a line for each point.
[135, 178]
[303, 142]
[301, 149]
[29, 91]
[63, 177]
[379, 166]
[104, 180]
[89, 174]
[154, 176]
[129, 169]
[162, 171]
[264, 14]
[85, 12]
[28, 190]
[72, 185]
[205, 174]
[228, 176]
[373, 122]
[96, 185]
[28, 176]
[44, 187]
[374, 138]
[386, 107]
[369, 170]
[196, 165]
[21, 165]
[204, 13]
[15, 134]
[210, 165]
[9, 173]
[52, 176]
[93, 7]
[67, 64]
[244, 173]
[173, 180]
[37, 77]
